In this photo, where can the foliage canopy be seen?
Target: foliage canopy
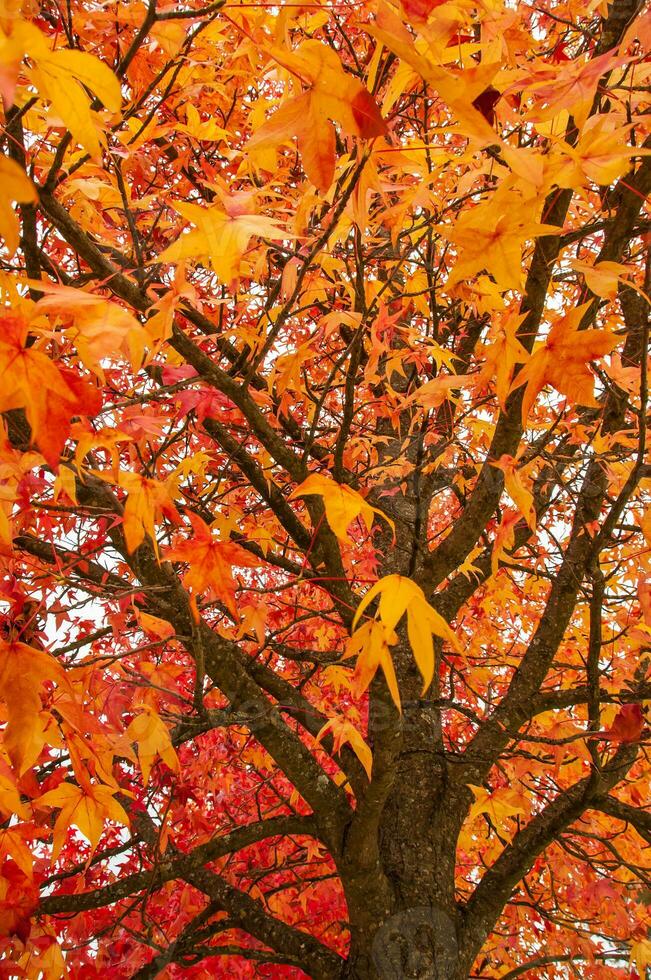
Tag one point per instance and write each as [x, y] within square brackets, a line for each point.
[324, 541]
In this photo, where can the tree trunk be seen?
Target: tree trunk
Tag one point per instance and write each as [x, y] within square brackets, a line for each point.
[417, 831]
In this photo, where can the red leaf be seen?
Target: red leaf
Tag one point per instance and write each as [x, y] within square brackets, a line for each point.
[22, 897]
[628, 724]
[367, 115]
[486, 102]
[419, 10]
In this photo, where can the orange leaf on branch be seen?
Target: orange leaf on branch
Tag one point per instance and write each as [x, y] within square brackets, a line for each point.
[331, 95]
[19, 898]
[628, 725]
[344, 732]
[49, 395]
[152, 738]
[23, 672]
[147, 501]
[86, 807]
[210, 562]
[562, 361]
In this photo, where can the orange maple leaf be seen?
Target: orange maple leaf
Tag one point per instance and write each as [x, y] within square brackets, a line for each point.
[96, 326]
[19, 898]
[460, 89]
[627, 726]
[570, 87]
[519, 493]
[50, 396]
[210, 562]
[160, 629]
[11, 804]
[419, 10]
[499, 804]
[562, 361]
[504, 536]
[330, 94]
[23, 671]
[503, 353]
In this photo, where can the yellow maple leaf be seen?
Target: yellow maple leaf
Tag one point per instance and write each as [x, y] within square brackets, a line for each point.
[86, 808]
[601, 154]
[400, 595]
[15, 185]
[152, 739]
[219, 237]
[562, 361]
[640, 956]
[603, 278]
[65, 484]
[487, 238]
[370, 644]
[499, 805]
[62, 77]
[458, 90]
[342, 504]
[344, 732]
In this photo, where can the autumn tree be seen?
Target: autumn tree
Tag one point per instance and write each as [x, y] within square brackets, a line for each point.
[326, 605]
